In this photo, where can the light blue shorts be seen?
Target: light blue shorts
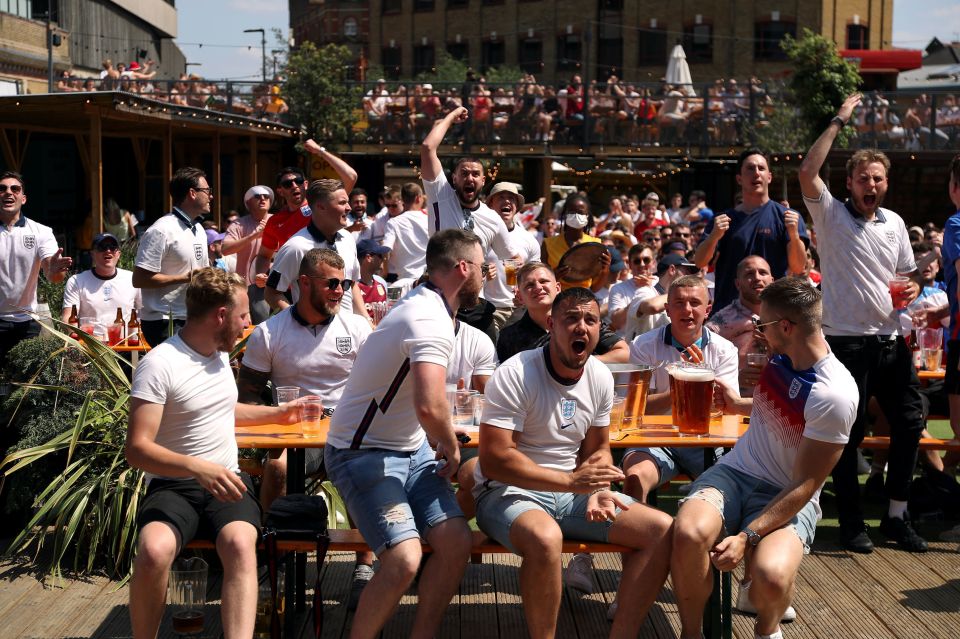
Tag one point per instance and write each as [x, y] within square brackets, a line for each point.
[673, 461]
[498, 507]
[744, 497]
[391, 495]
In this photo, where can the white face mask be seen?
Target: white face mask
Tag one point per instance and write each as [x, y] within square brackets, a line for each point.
[575, 220]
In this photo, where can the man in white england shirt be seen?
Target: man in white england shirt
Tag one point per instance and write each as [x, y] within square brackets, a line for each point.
[103, 289]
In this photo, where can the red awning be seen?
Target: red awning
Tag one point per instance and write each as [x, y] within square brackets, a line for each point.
[885, 61]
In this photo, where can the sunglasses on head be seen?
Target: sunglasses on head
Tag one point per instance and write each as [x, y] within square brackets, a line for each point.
[333, 283]
[14, 188]
[291, 181]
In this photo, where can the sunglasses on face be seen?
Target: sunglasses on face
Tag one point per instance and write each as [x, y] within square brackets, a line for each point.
[262, 196]
[14, 188]
[641, 260]
[109, 248]
[761, 326]
[289, 182]
[333, 283]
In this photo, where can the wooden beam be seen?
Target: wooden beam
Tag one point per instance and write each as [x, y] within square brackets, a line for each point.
[216, 179]
[9, 158]
[96, 170]
[83, 150]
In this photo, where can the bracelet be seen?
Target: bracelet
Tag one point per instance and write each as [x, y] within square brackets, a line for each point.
[838, 121]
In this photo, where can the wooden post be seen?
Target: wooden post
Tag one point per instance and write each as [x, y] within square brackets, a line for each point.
[96, 170]
[141, 151]
[167, 168]
[215, 180]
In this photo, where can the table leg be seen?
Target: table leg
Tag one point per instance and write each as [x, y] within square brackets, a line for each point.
[297, 566]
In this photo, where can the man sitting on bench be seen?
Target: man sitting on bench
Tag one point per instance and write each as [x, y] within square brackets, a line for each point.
[183, 409]
[545, 470]
[761, 500]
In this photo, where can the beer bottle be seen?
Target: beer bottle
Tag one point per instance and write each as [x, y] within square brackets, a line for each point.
[915, 348]
[121, 327]
[74, 319]
[133, 329]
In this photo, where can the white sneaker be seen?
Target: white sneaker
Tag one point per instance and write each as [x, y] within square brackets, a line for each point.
[579, 573]
[746, 606]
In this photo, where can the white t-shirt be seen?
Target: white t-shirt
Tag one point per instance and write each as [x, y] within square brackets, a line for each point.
[23, 246]
[473, 354]
[554, 416]
[373, 228]
[172, 246]
[719, 355]
[286, 263]
[198, 395]
[622, 295]
[819, 403]
[857, 260]
[406, 236]
[525, 244]
[635, 326]
[446, 212]
[99, 297]
[376, 409]
[315, 358]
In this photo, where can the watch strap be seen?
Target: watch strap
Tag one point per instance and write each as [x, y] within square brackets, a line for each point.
[838, 121]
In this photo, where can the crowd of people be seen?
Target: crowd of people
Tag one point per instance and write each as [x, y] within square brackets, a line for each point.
[480, 298]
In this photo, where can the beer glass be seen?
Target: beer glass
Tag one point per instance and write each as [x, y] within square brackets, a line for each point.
[898, 285]
[187, 595]
[931, 345]
[632, 381]
[691, 398]
[616, 415]
[287, 394]
[311, 412]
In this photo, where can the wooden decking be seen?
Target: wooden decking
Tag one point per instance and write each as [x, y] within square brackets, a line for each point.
[887, 594]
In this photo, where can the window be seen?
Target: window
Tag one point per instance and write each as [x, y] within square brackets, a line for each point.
[858, 36]
[423, 58]
[609, 57]
[767, 36]
[22, 8]
[653, 48]
[423, 5]
[530, 55]
[698, 42]
[392, 59]
[392, 6]
[459, 51]
[610, 5]
[455, 4]
[493, 54]
[350, 28]
[569, 52]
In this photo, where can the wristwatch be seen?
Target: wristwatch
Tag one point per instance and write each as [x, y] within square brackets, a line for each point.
[840, 122]
[753, 537]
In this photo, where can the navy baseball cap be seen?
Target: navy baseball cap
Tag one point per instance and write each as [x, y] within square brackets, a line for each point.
[679, 261]
[104, 238]
[369, 247]
[616, 260]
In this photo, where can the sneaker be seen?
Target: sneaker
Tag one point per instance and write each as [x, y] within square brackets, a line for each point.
[863, 466]
[579, 573]
[362, 575]
[612, 610]
[951, 535]
[856, 540]
[746, 606]
[900, 531]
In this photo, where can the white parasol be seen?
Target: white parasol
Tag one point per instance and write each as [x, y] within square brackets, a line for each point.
[678, 71]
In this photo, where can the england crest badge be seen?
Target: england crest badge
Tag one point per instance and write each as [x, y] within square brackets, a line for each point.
[29, 242]
[344, 345]
[794, 388]
[198, 252]
[568, 408]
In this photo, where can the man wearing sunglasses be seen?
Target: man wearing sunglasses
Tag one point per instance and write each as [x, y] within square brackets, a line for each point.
[169, 252]
[101, 290]
[27, 247]
[243, 240]
[642, 262]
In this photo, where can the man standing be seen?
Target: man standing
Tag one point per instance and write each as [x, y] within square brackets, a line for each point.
[169, 252]
[374, 228]
[758, 226]
[183, 411]
[243, 240]
[27, 247]
[545, 471]
[622, 294]
[761, 500]
[373, 287]
[103, 289]
[505, 200]
[329, 205]
[698, 210]
[862, 246]
[406, 236]
[377, 453]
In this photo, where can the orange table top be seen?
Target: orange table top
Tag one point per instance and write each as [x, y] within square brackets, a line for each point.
[937, 374]
[657, 431]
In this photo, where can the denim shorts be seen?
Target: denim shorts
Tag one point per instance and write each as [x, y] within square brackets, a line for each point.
[391, 495]
[499, 506]
[673, 461]
[745, 497]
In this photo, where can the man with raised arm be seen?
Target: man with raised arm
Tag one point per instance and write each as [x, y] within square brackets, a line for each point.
[862, 247]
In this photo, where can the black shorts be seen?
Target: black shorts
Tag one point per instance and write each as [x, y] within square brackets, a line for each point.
[194, 512]
[951, 379]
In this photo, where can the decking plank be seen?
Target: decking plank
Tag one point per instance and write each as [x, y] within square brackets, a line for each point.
[478, 601]
[847, 609]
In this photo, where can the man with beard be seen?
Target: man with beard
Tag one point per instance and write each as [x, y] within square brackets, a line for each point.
[757, 226]
[378, 454]
[329, 206]
[103, 289]
[506, 201]
[735, 321]
[169, 252]
[545, 471]
[458, 205]
[862, 246]
[243, 240]
[312, 346]
[183, 411]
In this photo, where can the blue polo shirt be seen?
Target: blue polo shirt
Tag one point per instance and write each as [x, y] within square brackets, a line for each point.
[760, 233]
[951, 253]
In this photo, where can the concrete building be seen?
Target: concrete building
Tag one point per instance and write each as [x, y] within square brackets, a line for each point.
[86, 32]
[554, 39]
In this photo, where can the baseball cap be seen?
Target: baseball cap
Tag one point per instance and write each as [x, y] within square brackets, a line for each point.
[369, 247]
[507, 187]
[213, 236]
[258, 190]
[616, 260]
[104, 238]
[675, 260]
[676, 246]
[428, 86]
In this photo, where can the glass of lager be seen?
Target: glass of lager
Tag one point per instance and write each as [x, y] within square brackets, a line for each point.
[691, 398]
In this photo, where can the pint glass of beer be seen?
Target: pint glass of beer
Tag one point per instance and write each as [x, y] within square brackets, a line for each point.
[691, 398]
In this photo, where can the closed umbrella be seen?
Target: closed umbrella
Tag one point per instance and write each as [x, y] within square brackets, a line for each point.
[678, 71]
